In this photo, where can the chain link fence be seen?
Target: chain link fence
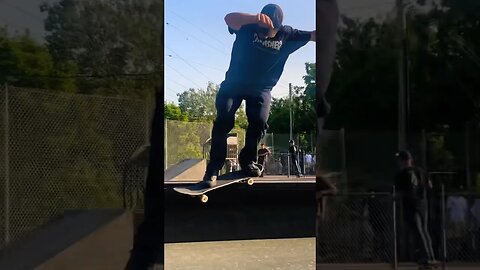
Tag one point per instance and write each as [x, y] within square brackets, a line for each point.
[278, 144]
[356, 228]
[370, 228]
[331, 155]
[187, 140]
[62, 151]
[191, 140]
[462, 227]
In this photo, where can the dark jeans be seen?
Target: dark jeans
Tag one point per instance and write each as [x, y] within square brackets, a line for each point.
[296, 166]
[418, 226]
[227, 103]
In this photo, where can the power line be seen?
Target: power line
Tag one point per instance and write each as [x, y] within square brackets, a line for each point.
[8, 24]
[207, 44]
[179, 73]
[171, 93]
[198, 27]
[181, 58]
[26, 12]
[177, 83]
[197, 63]
[171, 90]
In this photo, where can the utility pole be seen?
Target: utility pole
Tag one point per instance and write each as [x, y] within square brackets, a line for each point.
[291, 111]
[402, 78]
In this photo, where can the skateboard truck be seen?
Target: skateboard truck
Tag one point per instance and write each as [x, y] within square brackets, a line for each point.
[204, 198]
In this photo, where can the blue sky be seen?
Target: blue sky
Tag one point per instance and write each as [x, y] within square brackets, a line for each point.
[198, 44]
[197, 38]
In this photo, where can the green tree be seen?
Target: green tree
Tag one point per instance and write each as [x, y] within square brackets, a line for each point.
[115, 44]
[173, 112]
[303, 107]
[199, 104]
[310, 80]
[364, 83]
[25, 63]
[442, 49]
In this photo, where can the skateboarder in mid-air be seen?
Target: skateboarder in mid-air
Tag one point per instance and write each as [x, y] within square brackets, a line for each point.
[414, 187]
[293, 150]
[260, 51]
[263, 153]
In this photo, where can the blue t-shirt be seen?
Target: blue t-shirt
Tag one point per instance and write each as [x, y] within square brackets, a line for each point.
[259, 62]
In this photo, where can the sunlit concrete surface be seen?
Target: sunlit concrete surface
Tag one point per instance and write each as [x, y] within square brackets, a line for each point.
[275, 254]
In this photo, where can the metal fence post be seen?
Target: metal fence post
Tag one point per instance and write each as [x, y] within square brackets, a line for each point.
[467, 158]
[272, 146]
[424, 150]
[165, 143]
[444, 233]
[395, 249]
[344, 159]
[148, 122]
[288, 164]
[7, 168]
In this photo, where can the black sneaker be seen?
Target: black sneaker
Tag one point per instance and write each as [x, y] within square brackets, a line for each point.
[210, 179]
[252, 169]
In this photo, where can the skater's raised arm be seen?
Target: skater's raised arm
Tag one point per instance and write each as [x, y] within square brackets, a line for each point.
[236, 20]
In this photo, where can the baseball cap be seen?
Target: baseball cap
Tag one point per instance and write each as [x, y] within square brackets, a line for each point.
[404, 155]
[275, 13]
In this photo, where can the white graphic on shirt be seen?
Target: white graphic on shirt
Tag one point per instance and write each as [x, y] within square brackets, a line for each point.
[272, 44]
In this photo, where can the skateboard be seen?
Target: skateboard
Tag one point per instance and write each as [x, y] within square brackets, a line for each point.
[200, 190]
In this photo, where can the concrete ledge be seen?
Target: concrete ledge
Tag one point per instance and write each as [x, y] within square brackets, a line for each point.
[186, 169]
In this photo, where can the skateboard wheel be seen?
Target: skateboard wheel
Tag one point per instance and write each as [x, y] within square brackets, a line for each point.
[250, 182]
[204, 198]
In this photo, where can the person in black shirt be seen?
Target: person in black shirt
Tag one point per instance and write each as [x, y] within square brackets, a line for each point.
[293, 150]
[413, 187]
[263, 152]
[260, 51]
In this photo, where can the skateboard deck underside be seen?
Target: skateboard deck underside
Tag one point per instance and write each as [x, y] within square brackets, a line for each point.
[222, 181]
[200, 189]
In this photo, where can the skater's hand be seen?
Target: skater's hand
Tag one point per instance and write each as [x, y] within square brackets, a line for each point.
[264, 21]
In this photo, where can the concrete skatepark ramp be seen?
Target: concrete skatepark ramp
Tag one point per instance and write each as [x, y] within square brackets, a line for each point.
[186, 169]
[79, 239]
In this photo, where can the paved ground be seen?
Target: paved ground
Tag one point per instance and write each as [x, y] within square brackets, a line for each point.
[276, 254]
[271, 254]
[385, 267]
